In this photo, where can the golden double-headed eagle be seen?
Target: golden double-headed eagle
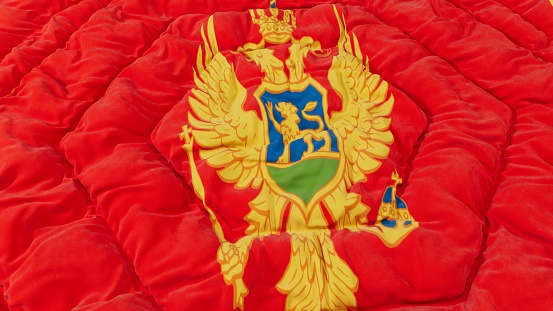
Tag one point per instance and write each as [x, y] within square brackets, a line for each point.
[234, 141]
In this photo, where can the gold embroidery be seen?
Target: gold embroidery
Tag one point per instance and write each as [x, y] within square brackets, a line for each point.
[340, 150]
[273, 29]
[316, 277]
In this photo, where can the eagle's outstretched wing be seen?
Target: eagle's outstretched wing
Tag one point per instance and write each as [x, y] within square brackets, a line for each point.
[363, 122]
[228, 135]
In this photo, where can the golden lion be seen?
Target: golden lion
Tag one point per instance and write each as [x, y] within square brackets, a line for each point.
[290, 130]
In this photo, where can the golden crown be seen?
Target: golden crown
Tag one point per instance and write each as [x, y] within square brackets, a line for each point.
[276, 28]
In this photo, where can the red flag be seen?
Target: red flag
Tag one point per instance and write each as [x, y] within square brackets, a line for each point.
[255, 155]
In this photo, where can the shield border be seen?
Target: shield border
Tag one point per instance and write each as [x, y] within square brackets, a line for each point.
[329, 187]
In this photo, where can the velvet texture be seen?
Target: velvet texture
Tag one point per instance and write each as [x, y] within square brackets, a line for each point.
[97, 210]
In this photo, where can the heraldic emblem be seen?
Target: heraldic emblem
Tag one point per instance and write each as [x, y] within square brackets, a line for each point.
[302, 161]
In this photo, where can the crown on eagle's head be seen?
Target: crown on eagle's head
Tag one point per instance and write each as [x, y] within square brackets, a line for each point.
[276, 28]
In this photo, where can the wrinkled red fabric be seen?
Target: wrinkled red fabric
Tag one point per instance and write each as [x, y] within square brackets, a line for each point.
[97, 211]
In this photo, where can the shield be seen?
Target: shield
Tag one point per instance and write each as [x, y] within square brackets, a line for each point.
[302, 155]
